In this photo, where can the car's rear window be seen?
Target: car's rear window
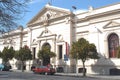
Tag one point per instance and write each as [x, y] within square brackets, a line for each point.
[42, 67]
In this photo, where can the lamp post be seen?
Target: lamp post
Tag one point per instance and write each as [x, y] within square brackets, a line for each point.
[50, 2]
[75, 21]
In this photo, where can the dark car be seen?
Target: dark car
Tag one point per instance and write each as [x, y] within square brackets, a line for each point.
[44, 70]
[1, 67]
[4, 67]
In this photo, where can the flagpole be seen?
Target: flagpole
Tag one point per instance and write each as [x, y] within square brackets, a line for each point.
[98, 31]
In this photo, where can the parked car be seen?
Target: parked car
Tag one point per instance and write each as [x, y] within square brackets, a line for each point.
[1, 66]
[44, 70]
[4, 67]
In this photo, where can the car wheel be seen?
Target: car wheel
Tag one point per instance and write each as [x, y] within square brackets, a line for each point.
[34, 72]
[52, 73]
[46, 73]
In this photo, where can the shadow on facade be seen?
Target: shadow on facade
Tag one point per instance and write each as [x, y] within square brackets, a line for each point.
[63, 67]
[19, 65]
[35, 63]
[105, 66]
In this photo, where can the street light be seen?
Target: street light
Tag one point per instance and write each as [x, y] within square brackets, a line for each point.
[75, 18]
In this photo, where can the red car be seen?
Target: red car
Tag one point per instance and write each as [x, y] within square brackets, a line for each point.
[44, 70]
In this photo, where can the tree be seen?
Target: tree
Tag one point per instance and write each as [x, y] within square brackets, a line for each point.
[118, 52]
[23, 55]
[7, 54]
[10, 12]
[45, 53]
[0, 54]
[83, 50]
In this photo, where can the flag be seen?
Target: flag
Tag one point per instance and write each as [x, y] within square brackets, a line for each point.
[67, 48]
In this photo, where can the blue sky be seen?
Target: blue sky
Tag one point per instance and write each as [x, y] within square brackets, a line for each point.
[34, 6]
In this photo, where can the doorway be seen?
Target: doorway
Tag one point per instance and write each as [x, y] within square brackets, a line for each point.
[46, 59]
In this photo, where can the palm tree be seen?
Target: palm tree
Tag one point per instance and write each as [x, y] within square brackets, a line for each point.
[118, 52]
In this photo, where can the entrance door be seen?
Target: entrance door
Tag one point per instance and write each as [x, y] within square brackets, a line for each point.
[46, 59]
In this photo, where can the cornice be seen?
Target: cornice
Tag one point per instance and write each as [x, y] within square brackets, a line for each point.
[90, 16]
[99, 12]
[48, 37]
[103, 14]
[108, 20]
[82, 32]
[13, 34]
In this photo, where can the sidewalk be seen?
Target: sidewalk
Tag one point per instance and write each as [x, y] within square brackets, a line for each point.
[110, 77]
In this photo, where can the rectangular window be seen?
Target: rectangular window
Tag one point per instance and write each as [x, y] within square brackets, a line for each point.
[34, 52]
[60, 51]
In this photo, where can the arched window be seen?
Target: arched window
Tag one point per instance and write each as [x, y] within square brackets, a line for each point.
[113, 43]
[46, 45]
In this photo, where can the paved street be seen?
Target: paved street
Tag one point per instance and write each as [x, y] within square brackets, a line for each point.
[30, 76]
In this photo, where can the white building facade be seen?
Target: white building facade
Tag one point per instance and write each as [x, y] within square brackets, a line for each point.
[58, 28]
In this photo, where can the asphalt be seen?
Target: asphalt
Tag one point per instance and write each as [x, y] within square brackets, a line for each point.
[108, 77]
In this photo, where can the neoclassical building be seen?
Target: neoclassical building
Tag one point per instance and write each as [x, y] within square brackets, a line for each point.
[58, 28]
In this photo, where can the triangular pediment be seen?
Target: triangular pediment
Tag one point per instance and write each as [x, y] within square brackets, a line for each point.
[111, 24]
[47, 13]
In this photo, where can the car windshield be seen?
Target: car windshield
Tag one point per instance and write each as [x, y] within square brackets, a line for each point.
[45, 66]
[42, 67]
[50, 66]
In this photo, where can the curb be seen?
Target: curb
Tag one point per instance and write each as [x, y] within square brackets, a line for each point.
[108, 77]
